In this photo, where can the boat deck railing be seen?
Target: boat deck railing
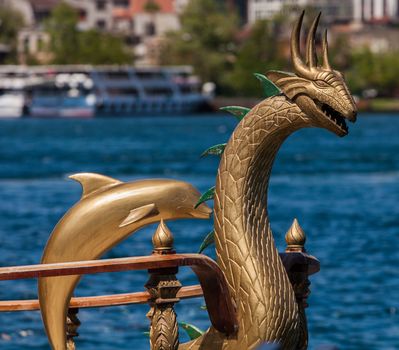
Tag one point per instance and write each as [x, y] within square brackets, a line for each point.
[163, 289]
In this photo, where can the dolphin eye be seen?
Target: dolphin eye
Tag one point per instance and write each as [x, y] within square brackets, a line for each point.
[321, 83]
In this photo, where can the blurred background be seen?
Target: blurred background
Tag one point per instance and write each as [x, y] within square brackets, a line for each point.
[217, 45]
[132, 88]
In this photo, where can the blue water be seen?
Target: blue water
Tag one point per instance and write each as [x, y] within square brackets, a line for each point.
[343, 191]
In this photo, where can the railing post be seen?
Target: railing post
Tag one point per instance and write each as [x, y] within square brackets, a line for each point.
[303, 266]
[163, 287]
[73, 324]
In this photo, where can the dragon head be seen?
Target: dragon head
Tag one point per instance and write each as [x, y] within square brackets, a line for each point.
[319, 91]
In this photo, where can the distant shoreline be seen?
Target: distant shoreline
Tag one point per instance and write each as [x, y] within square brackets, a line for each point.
[377, 105]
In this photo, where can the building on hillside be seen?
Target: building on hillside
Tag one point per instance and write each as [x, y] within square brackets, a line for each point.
[336, 11]
[152, 19]
[155, 19]
[32, 43]
[121, 17]
[265, 9]
[94, 14]
[240, 7]
[142, 22]
[377, 38]
[23, 6]
[333, 10]
[376, 11]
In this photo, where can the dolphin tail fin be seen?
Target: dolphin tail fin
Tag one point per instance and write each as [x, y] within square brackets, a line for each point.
[92, 182]
[54, 297]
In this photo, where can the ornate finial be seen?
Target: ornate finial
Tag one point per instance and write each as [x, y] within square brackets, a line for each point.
[162, 239]
[295, 238]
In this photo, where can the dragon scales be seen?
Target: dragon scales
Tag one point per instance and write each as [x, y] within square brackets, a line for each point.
[316, 96]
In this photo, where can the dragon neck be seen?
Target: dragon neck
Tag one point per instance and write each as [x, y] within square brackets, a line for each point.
[245, 246]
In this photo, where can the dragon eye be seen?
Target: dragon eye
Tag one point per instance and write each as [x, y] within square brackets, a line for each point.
[321, 83]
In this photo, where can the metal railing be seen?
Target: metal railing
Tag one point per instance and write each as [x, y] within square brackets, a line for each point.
[163, 288]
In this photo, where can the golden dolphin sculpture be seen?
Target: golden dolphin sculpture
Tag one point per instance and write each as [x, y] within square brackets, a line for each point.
[108, 212]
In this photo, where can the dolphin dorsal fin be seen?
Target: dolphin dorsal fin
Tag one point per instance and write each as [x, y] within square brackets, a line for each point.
[92, 182]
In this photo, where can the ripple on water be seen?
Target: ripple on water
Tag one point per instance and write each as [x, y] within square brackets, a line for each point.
[343, 191]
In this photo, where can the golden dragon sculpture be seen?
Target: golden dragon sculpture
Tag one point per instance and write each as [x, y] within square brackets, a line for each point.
[316, 96]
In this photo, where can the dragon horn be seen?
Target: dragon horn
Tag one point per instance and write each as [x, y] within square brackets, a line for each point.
[299, 66]
[326, 64]
[311, 57]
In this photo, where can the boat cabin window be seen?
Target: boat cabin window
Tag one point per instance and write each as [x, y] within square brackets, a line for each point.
[120, 75]
[10, 92]
[158, 91]
[122, 92]
[188, 89]
[149, 75]
[181, 74]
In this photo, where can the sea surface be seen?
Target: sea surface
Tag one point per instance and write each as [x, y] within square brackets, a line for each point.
[344, 192]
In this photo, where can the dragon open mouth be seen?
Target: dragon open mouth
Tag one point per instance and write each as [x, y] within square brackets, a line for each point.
[337, 118]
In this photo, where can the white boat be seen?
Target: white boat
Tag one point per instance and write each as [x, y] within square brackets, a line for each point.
[67, 96]
[147, 90]
[12, 103]
[13, 94]
[86, 91]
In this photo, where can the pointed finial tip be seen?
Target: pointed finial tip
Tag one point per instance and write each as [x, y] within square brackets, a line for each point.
[162, 239]
[295, 236]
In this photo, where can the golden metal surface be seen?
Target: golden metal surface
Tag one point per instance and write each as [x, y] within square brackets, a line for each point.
[108, 212]
[295, 238]
[268, 311]
[266, 297]
[73, 324]
[162, 239]
[163, 287]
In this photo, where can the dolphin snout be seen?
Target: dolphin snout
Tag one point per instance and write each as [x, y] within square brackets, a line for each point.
[203, 211]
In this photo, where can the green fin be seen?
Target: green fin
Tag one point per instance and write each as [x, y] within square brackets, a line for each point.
[216, 150]
[238, 111]
[208, 240]
[206, 196]
[269, 88]
[92, 182]
[192, 331]
[139, 213]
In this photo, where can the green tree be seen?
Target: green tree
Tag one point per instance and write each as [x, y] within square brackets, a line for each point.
[64, 34]
[68, 45]
[151, 6]
[102, 48]
[260, 52]
[11, 21]
[378, 71]
[205, 41]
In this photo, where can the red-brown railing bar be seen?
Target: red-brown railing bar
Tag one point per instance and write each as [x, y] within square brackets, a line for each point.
[217, 297]
[99, 301]
[104, 265]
